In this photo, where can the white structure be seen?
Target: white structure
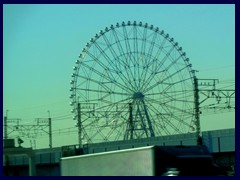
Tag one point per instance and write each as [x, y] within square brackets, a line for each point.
[216, 141]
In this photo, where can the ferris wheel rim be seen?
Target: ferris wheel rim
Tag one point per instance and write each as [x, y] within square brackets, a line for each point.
[137, 94]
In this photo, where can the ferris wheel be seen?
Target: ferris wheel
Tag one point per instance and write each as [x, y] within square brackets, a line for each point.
[131, 81]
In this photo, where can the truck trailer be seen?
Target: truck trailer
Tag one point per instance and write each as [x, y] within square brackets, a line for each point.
[144, 161]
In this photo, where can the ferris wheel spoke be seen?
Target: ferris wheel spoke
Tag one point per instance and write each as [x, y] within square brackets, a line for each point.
[183, 123]
[116, 83]
[143, 54]
[173, 127]
[99, 91]
[120, 48]
[168, 99]
[98, 132]
[116, 58]
[102, 131]
[130, 58]
[125, 64]
[122, 63]
[134, 72]
[114, 131]
[159, 116]
[169, 86]
[167, 68]
[110, 129]
[150, 50]
[111, 63]
[182, 111]
[157, 55]
[149, 79]
[113, 104]
[109, 45]
[128, 48]
[159, 102]
[164, 106]
[159, 67]
[160, 48]
[182, 99]
[135, 41]
[144, 40]
[179, 98]
[169, 122]
[89, 140]
[96, 71]
[109, 60]
[174, 62]
[119, 134]
[128, 78]
[159, 82]
[154, 60]
[126, 40]
[134, 56]
[152, 43]
[102, 84]
[170, 92]
[161, 128]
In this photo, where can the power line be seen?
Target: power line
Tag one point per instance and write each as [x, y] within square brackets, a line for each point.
[217, 68]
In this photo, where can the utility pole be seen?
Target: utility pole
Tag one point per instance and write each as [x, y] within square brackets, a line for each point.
[130, 126]
[5, 137]
[131, 120]
[79, 125]
[197, 117]
[50, 129]
[5, 125]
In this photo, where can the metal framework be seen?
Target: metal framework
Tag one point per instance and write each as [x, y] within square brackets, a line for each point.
[13, 128]
[217, 100]
[140, 81]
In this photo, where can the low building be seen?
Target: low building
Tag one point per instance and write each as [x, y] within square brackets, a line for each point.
[221, 144]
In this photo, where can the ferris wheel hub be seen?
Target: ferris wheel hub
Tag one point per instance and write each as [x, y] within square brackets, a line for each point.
[138, 96]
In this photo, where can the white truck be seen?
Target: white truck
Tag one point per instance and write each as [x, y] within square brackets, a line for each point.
[144, 161]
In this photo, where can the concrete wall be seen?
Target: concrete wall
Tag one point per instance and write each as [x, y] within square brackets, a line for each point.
[221, 143]
[220, 140]
[216, 141]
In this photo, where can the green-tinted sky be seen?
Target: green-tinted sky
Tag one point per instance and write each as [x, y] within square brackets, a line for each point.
[42, 42]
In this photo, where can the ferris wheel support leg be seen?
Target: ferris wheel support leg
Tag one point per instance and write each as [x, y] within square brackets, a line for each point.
[148, 120]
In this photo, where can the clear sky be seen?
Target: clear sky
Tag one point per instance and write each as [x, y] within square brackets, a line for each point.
[42, 42]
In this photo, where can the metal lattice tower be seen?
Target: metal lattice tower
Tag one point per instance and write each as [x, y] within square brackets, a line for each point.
[14, 128]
